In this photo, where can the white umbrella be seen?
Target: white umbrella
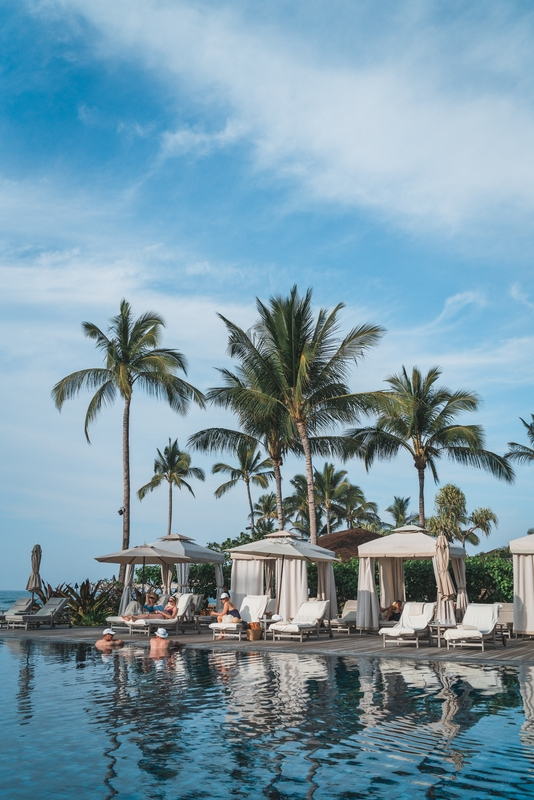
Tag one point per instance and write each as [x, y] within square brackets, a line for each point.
[283, 545]
[34, 581]
[142, 554]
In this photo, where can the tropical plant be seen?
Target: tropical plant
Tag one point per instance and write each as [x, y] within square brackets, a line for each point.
[265, 507]
[521, 452]
[329, 485]
[351, 508]
[133, 357]
[299, 362]
[399, 510]
[416, 416]
[91, 603]
[250, 468]
[173, 466]
[297, 509]
[454, 522]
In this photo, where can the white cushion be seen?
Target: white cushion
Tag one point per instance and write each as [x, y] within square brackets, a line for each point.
[225, 626]
[456, 634]
[291, 627]
[396, 631]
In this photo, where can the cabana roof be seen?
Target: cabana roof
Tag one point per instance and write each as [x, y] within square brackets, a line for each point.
[183, 547]
[282, 544]
[523, 546]
[411, 541]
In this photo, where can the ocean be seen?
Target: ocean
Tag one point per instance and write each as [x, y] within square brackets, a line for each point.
[8, 597]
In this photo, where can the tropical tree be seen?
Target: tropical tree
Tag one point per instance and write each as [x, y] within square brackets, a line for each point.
[521, 452]
[329, 485]
[265, 508]
[400, 513]
[352, 508]
[173, 466]
[453, 520]
[297, 509]
[298, 361]
[133, 357]
[421, 418]
[250, 468]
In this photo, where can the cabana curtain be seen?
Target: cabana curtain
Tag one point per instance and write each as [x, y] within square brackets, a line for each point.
[127, 591]
[462, 600]
[292, 580]
[326, 587]
[391, 574]
[367, 612]
[247, 578]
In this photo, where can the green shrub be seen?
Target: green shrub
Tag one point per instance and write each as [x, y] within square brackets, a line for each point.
[490, 579]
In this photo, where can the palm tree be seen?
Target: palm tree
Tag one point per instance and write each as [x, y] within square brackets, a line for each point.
[420, 418]
[329, 485]
[296, 507]
[521, 452]
[352, 508]
[266, 508]
[399, 511]
[132, 356]
[299, 362]
[250, 469]
[173, 466]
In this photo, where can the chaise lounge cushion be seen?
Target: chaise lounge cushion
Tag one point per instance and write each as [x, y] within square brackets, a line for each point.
[411, 623]
[479, 620]
[307, 618]
[252, 610]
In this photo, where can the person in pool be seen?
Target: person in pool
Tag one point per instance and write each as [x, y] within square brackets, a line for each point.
[108, 641]
[169, 612]
[229, 610]
[161, 645]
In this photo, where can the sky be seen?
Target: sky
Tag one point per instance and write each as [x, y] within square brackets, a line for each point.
[192, 156]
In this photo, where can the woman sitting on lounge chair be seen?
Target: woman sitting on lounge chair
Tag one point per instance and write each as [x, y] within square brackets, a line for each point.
[229, 610]
[169, 612]
[394, 611]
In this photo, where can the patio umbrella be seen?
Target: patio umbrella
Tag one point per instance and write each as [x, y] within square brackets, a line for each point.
[34, 581]
[142, 554]
[446, 590]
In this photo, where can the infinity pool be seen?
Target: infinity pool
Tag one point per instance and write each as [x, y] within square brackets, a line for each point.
[202, 724]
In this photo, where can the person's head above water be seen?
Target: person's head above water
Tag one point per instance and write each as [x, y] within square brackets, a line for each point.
[108, 634]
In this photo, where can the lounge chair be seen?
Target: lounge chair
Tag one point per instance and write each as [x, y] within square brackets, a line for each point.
[307, 620]
[505, 622]
[478, 626]
[252, 610]
[54, 612]
[149, 625]
[412, 625]
[347, 619]
[20, 606]
[133, 607]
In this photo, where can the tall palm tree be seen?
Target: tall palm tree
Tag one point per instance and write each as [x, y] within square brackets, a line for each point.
[132, 357]
[329, 485]
[419, 417]
[173, 466]
[296, 508]
[300, 362]
[399, 511]
[251, 468]
[521, 452]
[352, 507]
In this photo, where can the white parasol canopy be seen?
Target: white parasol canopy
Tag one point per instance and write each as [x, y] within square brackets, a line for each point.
[142, 554]
[283, 544]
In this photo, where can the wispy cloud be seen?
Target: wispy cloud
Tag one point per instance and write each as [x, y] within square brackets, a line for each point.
[187, 140]
[518, 294]
[426, 123]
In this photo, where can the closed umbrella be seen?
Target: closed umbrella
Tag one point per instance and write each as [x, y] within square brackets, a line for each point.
[446, 590]
[34, 581]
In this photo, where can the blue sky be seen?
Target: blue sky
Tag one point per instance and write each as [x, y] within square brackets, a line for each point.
[193, 156]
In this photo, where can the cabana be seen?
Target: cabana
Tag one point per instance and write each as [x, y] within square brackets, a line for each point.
[408, 542]
[282, 558]
[188, 552]
[523, 555]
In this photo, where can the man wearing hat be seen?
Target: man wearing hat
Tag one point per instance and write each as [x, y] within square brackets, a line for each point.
[160, 644]
[108, 641]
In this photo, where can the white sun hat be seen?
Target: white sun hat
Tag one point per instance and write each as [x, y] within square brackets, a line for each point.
[109, 631]
[162, 633]
[224, 595]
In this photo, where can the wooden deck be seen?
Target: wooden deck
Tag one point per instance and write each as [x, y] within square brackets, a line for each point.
[517, 652]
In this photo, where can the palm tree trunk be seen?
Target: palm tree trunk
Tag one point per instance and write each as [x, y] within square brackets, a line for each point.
[279, 503]
[126, 481]
[421, 474]
[251, 506]
[170, 509]
[327, 509]
[303, 433]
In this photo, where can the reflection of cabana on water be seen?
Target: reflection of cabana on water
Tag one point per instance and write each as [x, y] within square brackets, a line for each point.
[409, 542]
[523, 554]
[281, 559]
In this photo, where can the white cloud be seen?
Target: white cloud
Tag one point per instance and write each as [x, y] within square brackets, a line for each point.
[429, 124]
[186, 140]
[518, 294]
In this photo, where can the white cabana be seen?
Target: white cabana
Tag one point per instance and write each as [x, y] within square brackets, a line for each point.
[523, 555]
[408, 542]
[188, 552]
[284, 555]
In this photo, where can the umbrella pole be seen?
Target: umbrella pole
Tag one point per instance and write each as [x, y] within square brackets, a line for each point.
[143, 577]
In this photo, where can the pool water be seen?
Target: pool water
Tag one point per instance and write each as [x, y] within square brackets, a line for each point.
[206, 724]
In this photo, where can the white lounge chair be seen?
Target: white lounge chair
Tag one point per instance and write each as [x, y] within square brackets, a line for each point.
[307, 620]
[412, 625]
[505, 622]
[117, 622]
[20, 606]
[149, 625]
[54, 612]
[252, 610]
[347, 620]
[478, 625]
